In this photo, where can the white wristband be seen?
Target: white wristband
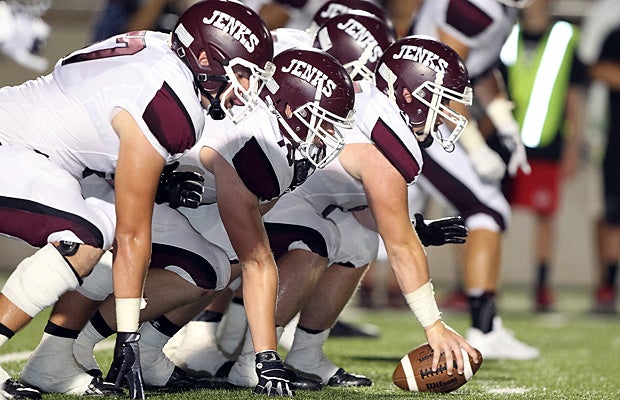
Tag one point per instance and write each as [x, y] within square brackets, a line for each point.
[422, 303]
[471, 138]
[128, 314]
[499, 111]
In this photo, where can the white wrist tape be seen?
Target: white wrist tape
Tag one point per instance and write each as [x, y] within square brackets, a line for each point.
[422, 303]
[128, 314]
[500, 112]
[472, 138]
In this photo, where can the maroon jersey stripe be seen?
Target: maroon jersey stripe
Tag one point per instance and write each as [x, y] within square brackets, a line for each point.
[281, 236]
[256, 171]
[169, 121]
[467, 18]
[457, 193]
[198, 268]
[34, 222]
[395, 151]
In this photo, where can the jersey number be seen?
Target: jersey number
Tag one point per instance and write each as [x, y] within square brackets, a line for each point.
[126, 45]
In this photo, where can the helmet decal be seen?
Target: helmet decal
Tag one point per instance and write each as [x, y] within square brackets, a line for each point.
[235, 28]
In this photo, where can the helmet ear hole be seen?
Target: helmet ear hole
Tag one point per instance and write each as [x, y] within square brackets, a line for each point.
[288, 111]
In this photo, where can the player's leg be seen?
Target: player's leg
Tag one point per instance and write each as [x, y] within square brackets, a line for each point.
[71, 231]
[358, 247]
[487, 214]
[197, 352]
[328, 300]
[299, 271]
[609, 237]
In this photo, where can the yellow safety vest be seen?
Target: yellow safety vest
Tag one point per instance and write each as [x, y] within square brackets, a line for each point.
[538, 85]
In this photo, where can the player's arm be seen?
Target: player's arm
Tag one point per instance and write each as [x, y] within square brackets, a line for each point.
[386, 192]
[240, 215]
[137, 175]
[487, 163]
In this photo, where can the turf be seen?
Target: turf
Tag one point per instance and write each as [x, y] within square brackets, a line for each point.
[580, 355]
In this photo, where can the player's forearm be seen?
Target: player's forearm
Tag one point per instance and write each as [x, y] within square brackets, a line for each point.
[128, 274]
[260, 283]
[607, 72]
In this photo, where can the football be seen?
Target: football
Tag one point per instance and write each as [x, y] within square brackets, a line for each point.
[413, 372]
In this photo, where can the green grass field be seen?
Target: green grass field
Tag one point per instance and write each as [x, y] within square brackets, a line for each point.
[580, 355]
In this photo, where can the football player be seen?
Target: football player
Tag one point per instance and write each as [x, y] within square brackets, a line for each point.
[121, 108]
[368, 180]
[477, 29]
[268, 153]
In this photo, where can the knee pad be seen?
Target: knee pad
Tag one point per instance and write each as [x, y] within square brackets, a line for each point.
[482, 221]
[39, 280]
[98, 285]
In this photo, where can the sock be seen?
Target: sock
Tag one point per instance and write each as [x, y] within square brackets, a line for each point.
[482, 309]
[156, 367]
[611, 274]
[541, 278]
[60, 331]
[84, 346]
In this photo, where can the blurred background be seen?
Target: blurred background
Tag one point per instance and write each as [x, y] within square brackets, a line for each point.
[72, 22]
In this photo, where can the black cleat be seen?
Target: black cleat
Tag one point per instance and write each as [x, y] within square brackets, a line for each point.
[11, 389]
[99, 387]
[179, 381]
[344, 379]
[345, 329]
[299, 381]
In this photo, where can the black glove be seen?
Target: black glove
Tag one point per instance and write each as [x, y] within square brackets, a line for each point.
[126, 364]
[179, 188]
[438, 232]
[272, 378]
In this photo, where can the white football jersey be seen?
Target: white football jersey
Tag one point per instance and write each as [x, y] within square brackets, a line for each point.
[286, 38]
[67, 114]
[378, 121]
[262, 157]
[482, 25]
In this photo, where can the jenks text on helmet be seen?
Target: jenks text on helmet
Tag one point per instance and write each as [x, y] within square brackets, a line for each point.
[312, 75]
[234, 28]
[422, 56]
[362, 36]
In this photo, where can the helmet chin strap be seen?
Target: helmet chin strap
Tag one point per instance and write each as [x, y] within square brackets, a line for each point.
[215, 104]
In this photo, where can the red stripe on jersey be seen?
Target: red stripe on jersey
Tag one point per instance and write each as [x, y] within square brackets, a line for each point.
[467, 18]
[395, 151]
[256, 172]
[33, 223]
[169, 121]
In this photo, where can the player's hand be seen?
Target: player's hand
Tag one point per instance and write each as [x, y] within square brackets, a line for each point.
[272, 378]
[518, 160]
[488, 164]
[510, 137]
[438, 232]
[126, 364]
[179, 188]
[444, 339]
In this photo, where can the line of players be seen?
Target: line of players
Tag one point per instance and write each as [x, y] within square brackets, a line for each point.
[339, 157]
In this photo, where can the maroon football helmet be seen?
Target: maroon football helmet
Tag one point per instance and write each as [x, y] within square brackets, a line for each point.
[231, 35]
[422, 75]
[357, 40]
[331, 8]
[311, 94]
